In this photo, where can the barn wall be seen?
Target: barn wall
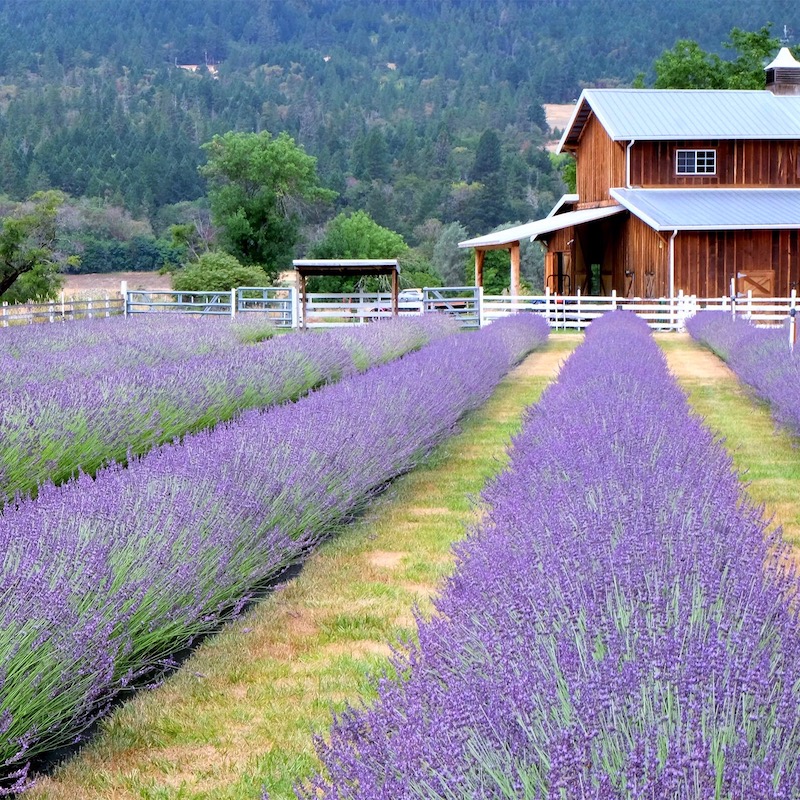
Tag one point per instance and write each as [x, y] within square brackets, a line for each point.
[644, 253]
[739, 163]
[705, 262]
[601, 164]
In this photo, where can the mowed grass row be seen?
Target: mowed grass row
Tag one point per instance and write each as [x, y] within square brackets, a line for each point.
[242, 712]
[766, 455]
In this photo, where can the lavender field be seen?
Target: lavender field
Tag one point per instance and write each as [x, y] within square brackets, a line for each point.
[760, 357]
[105, 577]
[620, 625]
[74, 398]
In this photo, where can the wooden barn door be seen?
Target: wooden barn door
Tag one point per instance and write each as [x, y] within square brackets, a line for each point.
[761, 282]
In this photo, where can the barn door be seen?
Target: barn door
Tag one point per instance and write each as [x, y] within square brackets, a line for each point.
[761, 282]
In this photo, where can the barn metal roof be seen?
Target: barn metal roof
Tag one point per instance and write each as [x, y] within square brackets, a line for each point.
[713, 209]
[530, 230]
[675, 114]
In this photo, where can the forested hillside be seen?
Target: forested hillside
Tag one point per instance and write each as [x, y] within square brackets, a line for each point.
[393, 98]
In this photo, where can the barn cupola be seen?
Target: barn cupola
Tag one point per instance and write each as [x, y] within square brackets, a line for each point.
[783, 74]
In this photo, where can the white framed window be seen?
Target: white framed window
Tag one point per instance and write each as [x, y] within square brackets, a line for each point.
[696, 162]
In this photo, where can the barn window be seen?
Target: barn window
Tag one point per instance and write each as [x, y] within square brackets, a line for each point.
[696, 162]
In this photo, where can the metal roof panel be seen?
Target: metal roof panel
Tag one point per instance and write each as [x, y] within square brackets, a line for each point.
[686, 114]
[713, 209]
[530, 230]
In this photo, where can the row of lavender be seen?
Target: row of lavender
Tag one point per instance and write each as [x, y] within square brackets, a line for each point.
[760, 357]
[87, 347]
[103, 579]
[117, 388]
[620, 626]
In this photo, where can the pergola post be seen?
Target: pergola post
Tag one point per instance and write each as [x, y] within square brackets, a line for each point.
[479, 256]
[303, 300]
[515, 259]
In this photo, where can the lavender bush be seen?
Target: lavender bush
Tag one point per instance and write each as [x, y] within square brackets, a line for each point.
[103, 579]
[56, 423]
[90, 346]
[760, 357]
[619, 626]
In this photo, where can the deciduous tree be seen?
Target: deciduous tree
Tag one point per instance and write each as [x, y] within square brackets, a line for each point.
[259, 187]
[27, 238]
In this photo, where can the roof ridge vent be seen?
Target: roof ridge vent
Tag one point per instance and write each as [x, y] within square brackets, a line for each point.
[783, 73]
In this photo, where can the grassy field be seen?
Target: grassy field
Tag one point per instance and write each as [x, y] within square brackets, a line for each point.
[242, 711]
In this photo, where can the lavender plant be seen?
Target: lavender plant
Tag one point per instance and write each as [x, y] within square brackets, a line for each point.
[760, 357]
[621, 624]
[104, 578]
[71, 419]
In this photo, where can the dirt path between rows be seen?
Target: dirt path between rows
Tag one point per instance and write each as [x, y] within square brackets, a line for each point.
[766, 456]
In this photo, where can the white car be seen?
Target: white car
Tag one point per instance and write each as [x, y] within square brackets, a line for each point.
[410, 296]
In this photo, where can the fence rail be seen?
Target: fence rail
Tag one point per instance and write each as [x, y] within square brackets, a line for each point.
[577, 311]
[467, 303]
[60, 310]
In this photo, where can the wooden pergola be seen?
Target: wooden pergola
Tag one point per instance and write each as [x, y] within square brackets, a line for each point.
[346, 267]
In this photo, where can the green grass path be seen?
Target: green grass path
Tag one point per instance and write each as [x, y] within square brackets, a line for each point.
[767, 457]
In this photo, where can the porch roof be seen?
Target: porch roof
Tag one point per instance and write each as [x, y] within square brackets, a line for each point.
[713, 209]
[530, 230]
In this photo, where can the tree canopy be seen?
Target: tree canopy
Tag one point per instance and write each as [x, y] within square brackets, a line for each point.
[27, 239]
[214, 271]
[357, 235]
[259, 187]
[688, 66]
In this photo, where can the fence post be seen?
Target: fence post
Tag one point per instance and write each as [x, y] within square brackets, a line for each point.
[733, 297]
[62, 304]
[89, 309]
[123, 290]
[613, 299]
[233, 303]
[578, 309]
[5, 314]
[547, 304]
[749, 304]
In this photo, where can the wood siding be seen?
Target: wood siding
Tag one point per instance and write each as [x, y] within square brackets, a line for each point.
[742, 163]
[601, 165]
[644, 261]
[705, 261]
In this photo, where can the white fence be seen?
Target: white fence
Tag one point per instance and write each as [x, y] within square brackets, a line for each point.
[468, 304]
[576, 311]
[60, 310]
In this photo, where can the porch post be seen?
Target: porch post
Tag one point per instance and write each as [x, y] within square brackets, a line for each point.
[515, 285]
[303, 301]
[479, 256]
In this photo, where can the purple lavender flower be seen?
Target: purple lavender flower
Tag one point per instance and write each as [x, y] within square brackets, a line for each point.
[619, 626]
[113, 389]
[104, 578]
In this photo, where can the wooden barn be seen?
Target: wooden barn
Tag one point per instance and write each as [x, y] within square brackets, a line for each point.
[676, 190]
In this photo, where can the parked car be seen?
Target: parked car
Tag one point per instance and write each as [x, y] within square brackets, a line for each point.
[410, 296]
